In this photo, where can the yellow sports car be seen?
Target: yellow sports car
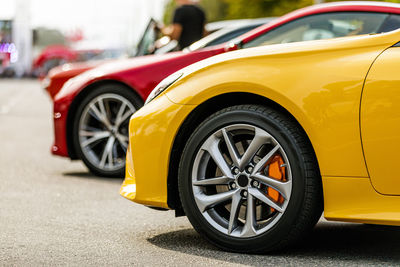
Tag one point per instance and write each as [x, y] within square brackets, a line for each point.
[253, 145]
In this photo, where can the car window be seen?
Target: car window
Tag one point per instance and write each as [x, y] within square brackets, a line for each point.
[322, 26]
[146, 44]
[390, 24]
[221, 36]
[231, 35]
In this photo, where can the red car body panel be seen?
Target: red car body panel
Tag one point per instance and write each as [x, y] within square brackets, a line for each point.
[142, 74]
[129, 72]
[54, 51]
[61, 74]
[60, 52]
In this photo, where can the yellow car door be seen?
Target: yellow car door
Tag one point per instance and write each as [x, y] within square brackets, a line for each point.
[380, 122]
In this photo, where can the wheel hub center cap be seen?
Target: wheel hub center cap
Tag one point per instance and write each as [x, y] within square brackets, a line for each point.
[242, 180]
[113, 131]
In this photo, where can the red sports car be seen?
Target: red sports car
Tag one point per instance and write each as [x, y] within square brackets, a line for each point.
[92, 110]
[221, 32]
[55, 55]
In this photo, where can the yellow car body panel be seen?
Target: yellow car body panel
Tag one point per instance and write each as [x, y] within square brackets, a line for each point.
[319, 82]
[355, 200]
[380, 122]
[151, 135]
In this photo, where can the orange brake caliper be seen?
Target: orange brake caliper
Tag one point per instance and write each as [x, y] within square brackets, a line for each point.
[276, 170]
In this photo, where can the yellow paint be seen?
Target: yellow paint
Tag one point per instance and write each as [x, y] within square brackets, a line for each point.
[152, 132]
[318, 82]
[380, 122]
[355, 200]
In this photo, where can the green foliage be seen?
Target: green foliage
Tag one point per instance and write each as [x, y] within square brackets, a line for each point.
[392, 1]
[215, 9]
[169, 11]
[262, 8]
[240, 9]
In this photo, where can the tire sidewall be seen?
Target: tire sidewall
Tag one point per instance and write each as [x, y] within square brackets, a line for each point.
[277, 233]
[118, 89]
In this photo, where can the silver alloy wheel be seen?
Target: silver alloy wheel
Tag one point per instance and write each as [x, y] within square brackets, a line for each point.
[230, 180]
[103, 131]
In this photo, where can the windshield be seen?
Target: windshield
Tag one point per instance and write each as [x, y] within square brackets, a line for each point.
[109, 53]
[322, 26]
[150, 45]
[146, 44]
[222, 36]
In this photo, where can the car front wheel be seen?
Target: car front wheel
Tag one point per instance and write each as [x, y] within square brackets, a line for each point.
[249, 181]
[100, 132]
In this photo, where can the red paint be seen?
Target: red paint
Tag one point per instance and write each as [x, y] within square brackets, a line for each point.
[59, 75]
[144, 73]
[59, 52]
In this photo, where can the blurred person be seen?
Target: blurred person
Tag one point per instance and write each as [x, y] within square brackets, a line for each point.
[187, 24]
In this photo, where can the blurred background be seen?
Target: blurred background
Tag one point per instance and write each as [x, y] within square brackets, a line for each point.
[28, 27]
[36, 35]
[53, 211]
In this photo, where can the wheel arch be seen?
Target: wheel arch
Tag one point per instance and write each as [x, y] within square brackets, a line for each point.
[78, 99]
[200, 113]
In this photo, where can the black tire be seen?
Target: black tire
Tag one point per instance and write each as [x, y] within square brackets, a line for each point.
[305, 205]
[105, 89]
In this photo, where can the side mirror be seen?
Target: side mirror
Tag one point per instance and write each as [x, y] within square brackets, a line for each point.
[234, 45]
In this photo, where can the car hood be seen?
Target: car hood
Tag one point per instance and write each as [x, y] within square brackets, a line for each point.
[112, 69]
[76, 67]
[121, 65]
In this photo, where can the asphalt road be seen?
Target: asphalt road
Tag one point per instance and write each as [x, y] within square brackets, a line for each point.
[53, 212]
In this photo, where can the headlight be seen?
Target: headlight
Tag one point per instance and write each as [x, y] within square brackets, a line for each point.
[164, 84]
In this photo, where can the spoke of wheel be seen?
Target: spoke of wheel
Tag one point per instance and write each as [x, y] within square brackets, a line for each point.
[107, 110]
[213, 181]
[231, 147]
[92, 129]
[205, 202]
[264, 160]
[123, 140]
[100, 116]
[97, 114]
[260, 138]
[235, 207]
[257, 194]
[248, 228]
[123, 117]
[107, 151]
[86, 133]
[211, 146]
[111, 155]
[103, 109]
[120, 113]
[94, 136]
[284, 188]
